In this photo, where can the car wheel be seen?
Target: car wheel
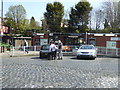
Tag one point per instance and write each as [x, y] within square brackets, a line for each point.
[41, 56]
[77, 57]
[93, 58]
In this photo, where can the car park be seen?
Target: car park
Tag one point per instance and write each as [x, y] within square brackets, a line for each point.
[87, 51]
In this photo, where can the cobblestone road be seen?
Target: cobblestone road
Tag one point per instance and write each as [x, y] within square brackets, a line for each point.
[32, 72]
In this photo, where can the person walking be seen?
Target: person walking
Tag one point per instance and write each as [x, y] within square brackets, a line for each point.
[25, 46]
[53, 50]
[60, 55]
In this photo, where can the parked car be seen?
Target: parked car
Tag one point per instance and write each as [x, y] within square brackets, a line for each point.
[87, 51]
[44, 51]
[66, 49]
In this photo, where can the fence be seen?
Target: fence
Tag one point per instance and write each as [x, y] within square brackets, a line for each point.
[70, 49]
[30, 48]
[108, 51]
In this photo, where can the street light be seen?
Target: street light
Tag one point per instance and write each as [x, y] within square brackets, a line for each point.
[86, 37]
[1, 21]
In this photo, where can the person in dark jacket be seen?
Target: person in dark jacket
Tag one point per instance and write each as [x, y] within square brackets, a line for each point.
[60, 55]
[26, 45]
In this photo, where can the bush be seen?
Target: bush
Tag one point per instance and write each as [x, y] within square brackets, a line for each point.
[7, 46]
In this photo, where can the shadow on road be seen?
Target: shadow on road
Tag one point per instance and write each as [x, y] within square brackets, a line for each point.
[37, 58]
[74, 58]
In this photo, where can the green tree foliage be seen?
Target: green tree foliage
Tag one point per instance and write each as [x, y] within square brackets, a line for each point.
[53, 16]
[112, 15]
[15, 18]
[33, 23]
[79, 16]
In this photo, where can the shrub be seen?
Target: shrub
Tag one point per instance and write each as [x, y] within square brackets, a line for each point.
[7, 46]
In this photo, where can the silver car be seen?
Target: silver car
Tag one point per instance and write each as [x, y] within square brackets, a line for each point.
[87, 51]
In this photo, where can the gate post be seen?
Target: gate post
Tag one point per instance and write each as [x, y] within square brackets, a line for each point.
[35, 49]
[116, 51]
[106, 51]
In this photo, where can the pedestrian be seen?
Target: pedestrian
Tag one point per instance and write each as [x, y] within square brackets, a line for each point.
[60, 55]
[26, 45]
[53, 50]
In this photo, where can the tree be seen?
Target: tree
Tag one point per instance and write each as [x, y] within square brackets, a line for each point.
[106, 25]
[15, 17]
[79, 16]
[34, 24]
[99, 17]
[112, 14]
[119, 15]
[53, 16]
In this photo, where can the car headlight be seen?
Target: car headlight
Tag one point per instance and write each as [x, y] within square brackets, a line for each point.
[91, 53]
[78, 52]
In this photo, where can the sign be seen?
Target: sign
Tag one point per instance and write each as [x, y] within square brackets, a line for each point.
[51, 34]
[115, 38]
[98, 34]
[73, 36]
[111, 44]
[41, 36]
[109, 34]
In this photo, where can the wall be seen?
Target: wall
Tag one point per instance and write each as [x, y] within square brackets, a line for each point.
[37, 40]
[101, 40]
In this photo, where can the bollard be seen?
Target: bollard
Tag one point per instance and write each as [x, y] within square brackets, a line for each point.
[106, 51]
[116, 51]
[35, 50]
[13, 52]
[24, 48]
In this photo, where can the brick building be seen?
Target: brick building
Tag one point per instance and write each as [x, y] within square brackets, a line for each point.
[40, 39]
[104, 40]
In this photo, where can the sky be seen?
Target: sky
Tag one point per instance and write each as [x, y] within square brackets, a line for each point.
[36, 8]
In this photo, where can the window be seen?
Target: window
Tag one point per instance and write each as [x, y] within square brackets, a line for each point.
[37, 42]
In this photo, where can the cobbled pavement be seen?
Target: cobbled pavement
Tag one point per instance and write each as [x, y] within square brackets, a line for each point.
[32, 72]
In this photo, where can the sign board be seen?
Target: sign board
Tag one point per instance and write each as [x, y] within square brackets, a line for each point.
[115, 38]
[98, 34]
[109, 34]
[41, 36]
[43, 41]
[51, 34]
[111, 44]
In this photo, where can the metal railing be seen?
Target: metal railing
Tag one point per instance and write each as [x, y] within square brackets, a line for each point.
[108, 51]
[100, 50]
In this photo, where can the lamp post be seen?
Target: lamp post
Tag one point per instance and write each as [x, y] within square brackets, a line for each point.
[1, 31]
[86, 38]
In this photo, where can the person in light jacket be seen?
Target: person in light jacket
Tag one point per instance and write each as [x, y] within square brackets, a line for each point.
[53, 50]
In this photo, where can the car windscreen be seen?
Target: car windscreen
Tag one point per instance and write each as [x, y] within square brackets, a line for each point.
[45, 47]
[87, 47]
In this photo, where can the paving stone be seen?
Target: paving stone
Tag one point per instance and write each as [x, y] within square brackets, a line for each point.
[28, 72]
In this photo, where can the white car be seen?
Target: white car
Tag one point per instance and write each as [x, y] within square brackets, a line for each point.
[87, 51]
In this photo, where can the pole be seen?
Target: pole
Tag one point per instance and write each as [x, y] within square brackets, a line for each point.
[13, 53]
[1, 21]
[86, 37]
[2, 11]
[116, 51]
[35, 49]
